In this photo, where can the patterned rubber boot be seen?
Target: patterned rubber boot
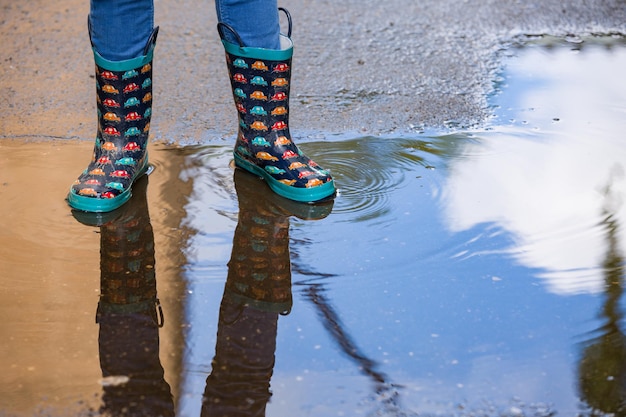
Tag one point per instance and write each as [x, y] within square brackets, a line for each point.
[260, 80]
[124, 102]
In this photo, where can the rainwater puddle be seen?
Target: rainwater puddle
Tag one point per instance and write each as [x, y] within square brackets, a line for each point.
[474, 273]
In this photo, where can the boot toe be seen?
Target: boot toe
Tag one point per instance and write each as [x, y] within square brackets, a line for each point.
[89, 200]
[305, 184]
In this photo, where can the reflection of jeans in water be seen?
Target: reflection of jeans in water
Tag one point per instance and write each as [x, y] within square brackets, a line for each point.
[239, 384]
[129, 347]
[120, 28]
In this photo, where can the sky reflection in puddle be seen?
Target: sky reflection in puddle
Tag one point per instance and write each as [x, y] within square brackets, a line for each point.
[556, 168]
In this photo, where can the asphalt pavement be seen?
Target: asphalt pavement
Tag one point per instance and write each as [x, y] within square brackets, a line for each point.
[360, 66]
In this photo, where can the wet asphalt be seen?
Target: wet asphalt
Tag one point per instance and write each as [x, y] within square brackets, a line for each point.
[361, 67]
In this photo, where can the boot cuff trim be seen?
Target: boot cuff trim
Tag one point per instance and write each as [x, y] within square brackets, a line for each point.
[126, 65]
[262, 53]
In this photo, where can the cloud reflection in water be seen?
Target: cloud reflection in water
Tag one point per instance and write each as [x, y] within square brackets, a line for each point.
[543, 178]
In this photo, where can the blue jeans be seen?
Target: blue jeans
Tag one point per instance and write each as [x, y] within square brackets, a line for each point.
[121, 28]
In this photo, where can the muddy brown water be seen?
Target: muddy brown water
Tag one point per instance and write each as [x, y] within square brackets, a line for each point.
[455, 273]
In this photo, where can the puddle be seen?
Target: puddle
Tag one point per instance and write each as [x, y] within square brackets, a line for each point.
[476, 273]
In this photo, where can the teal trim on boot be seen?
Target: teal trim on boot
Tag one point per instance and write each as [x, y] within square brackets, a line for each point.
[126, 65]
[261, 53]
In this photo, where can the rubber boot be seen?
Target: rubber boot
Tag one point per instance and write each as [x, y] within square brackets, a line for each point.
[260, 80]
[124, 103]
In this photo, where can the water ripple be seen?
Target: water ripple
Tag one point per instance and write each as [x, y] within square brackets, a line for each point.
[367, 170]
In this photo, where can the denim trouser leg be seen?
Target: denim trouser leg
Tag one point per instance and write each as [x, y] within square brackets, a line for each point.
[256, 21]
[121, 28]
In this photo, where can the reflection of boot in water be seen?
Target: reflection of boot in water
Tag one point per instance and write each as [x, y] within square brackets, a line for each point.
[129, 315]
[257, 290]
[259, 271]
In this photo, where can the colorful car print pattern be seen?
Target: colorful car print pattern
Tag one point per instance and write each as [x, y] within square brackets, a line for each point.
[124, 109]
[261, 94]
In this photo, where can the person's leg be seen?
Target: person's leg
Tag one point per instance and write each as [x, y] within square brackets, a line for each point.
[119, 29]
[256, 21]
